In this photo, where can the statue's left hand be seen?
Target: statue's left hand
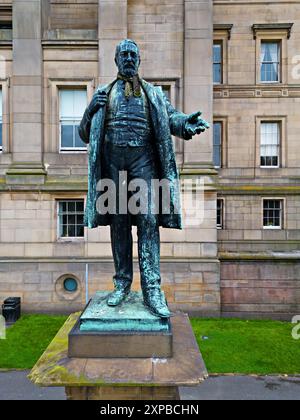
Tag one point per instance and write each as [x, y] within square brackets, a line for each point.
[195, 124]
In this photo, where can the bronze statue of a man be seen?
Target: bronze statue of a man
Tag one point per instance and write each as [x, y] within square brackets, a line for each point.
[129, 124]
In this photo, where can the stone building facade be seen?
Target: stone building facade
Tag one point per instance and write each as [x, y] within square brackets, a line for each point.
[54, 53]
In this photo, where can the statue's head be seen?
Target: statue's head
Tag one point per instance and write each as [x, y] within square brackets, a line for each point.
[127, 58]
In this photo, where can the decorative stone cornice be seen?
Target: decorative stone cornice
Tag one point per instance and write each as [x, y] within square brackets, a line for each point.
[272, 27]
[256, 91]
[258, 189]
[225, 27]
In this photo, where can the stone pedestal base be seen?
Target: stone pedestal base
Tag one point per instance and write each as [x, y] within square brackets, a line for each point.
[122, 378]
[127, 330]
[122, 393]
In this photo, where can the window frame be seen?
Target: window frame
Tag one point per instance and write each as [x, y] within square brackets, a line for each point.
[58, 226]
[69, 149]
[282, 120]
[1, 118]
[282, 215]
[220, 122]
[172, 84]
[52, 129]
[222, 34]
[279, 145]
[4, 87]
[224, 143]
[222, 225]
[221, 43]
[272, 41]
[271, 35]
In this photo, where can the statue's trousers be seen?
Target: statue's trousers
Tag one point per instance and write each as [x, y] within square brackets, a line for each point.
[122, 165]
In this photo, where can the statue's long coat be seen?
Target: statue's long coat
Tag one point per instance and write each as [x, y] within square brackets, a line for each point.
[166, 121]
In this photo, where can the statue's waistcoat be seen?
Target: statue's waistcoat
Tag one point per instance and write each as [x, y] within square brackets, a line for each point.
[127, 121]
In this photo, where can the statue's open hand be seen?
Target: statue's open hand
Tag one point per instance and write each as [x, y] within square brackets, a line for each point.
[99, 100]
[195, 124]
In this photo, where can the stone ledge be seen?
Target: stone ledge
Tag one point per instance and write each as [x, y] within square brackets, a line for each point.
[274, 256]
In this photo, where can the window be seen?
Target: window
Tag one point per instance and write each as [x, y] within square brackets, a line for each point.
[70, 285]
[72, 106]
[70, 219]
[269, 144]
[218, 62]
[167, 91]
[217, 143]
[270, 61]
[220, 213]
[273, 214]
[1, 130]
[5, 17]
[169, 88]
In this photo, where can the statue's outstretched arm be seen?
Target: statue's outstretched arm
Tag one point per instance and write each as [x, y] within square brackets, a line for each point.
[183, 125]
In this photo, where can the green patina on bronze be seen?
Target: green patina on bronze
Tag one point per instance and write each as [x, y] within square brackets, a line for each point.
[130, 315]
[129, 126]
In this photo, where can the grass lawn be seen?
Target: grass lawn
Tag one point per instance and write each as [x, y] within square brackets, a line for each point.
[27, 339]
[248, 347]
[233, 346]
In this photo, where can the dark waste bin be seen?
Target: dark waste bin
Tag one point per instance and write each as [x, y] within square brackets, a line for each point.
[11, 309]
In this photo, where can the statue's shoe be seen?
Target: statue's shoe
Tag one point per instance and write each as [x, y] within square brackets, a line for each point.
[117, 297]
[156, 303]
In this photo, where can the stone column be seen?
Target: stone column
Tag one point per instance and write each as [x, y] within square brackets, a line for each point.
[112, 29]
[27, 93]
[197, 159]
[198, 83]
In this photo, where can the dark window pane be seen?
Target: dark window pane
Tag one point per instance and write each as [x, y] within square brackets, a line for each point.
[79, 206]
[80, 231]
[220, 213]
[71, 231]
[71, 206]
[79, 219]
[71, 219]
[66, 136]
[64, 230]
[62, 207]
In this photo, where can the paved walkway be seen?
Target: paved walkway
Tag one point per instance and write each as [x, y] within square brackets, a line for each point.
[14, 385]
[245, 388]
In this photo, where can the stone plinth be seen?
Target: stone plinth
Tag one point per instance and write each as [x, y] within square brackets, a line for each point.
[135, 378]
[127, 330]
